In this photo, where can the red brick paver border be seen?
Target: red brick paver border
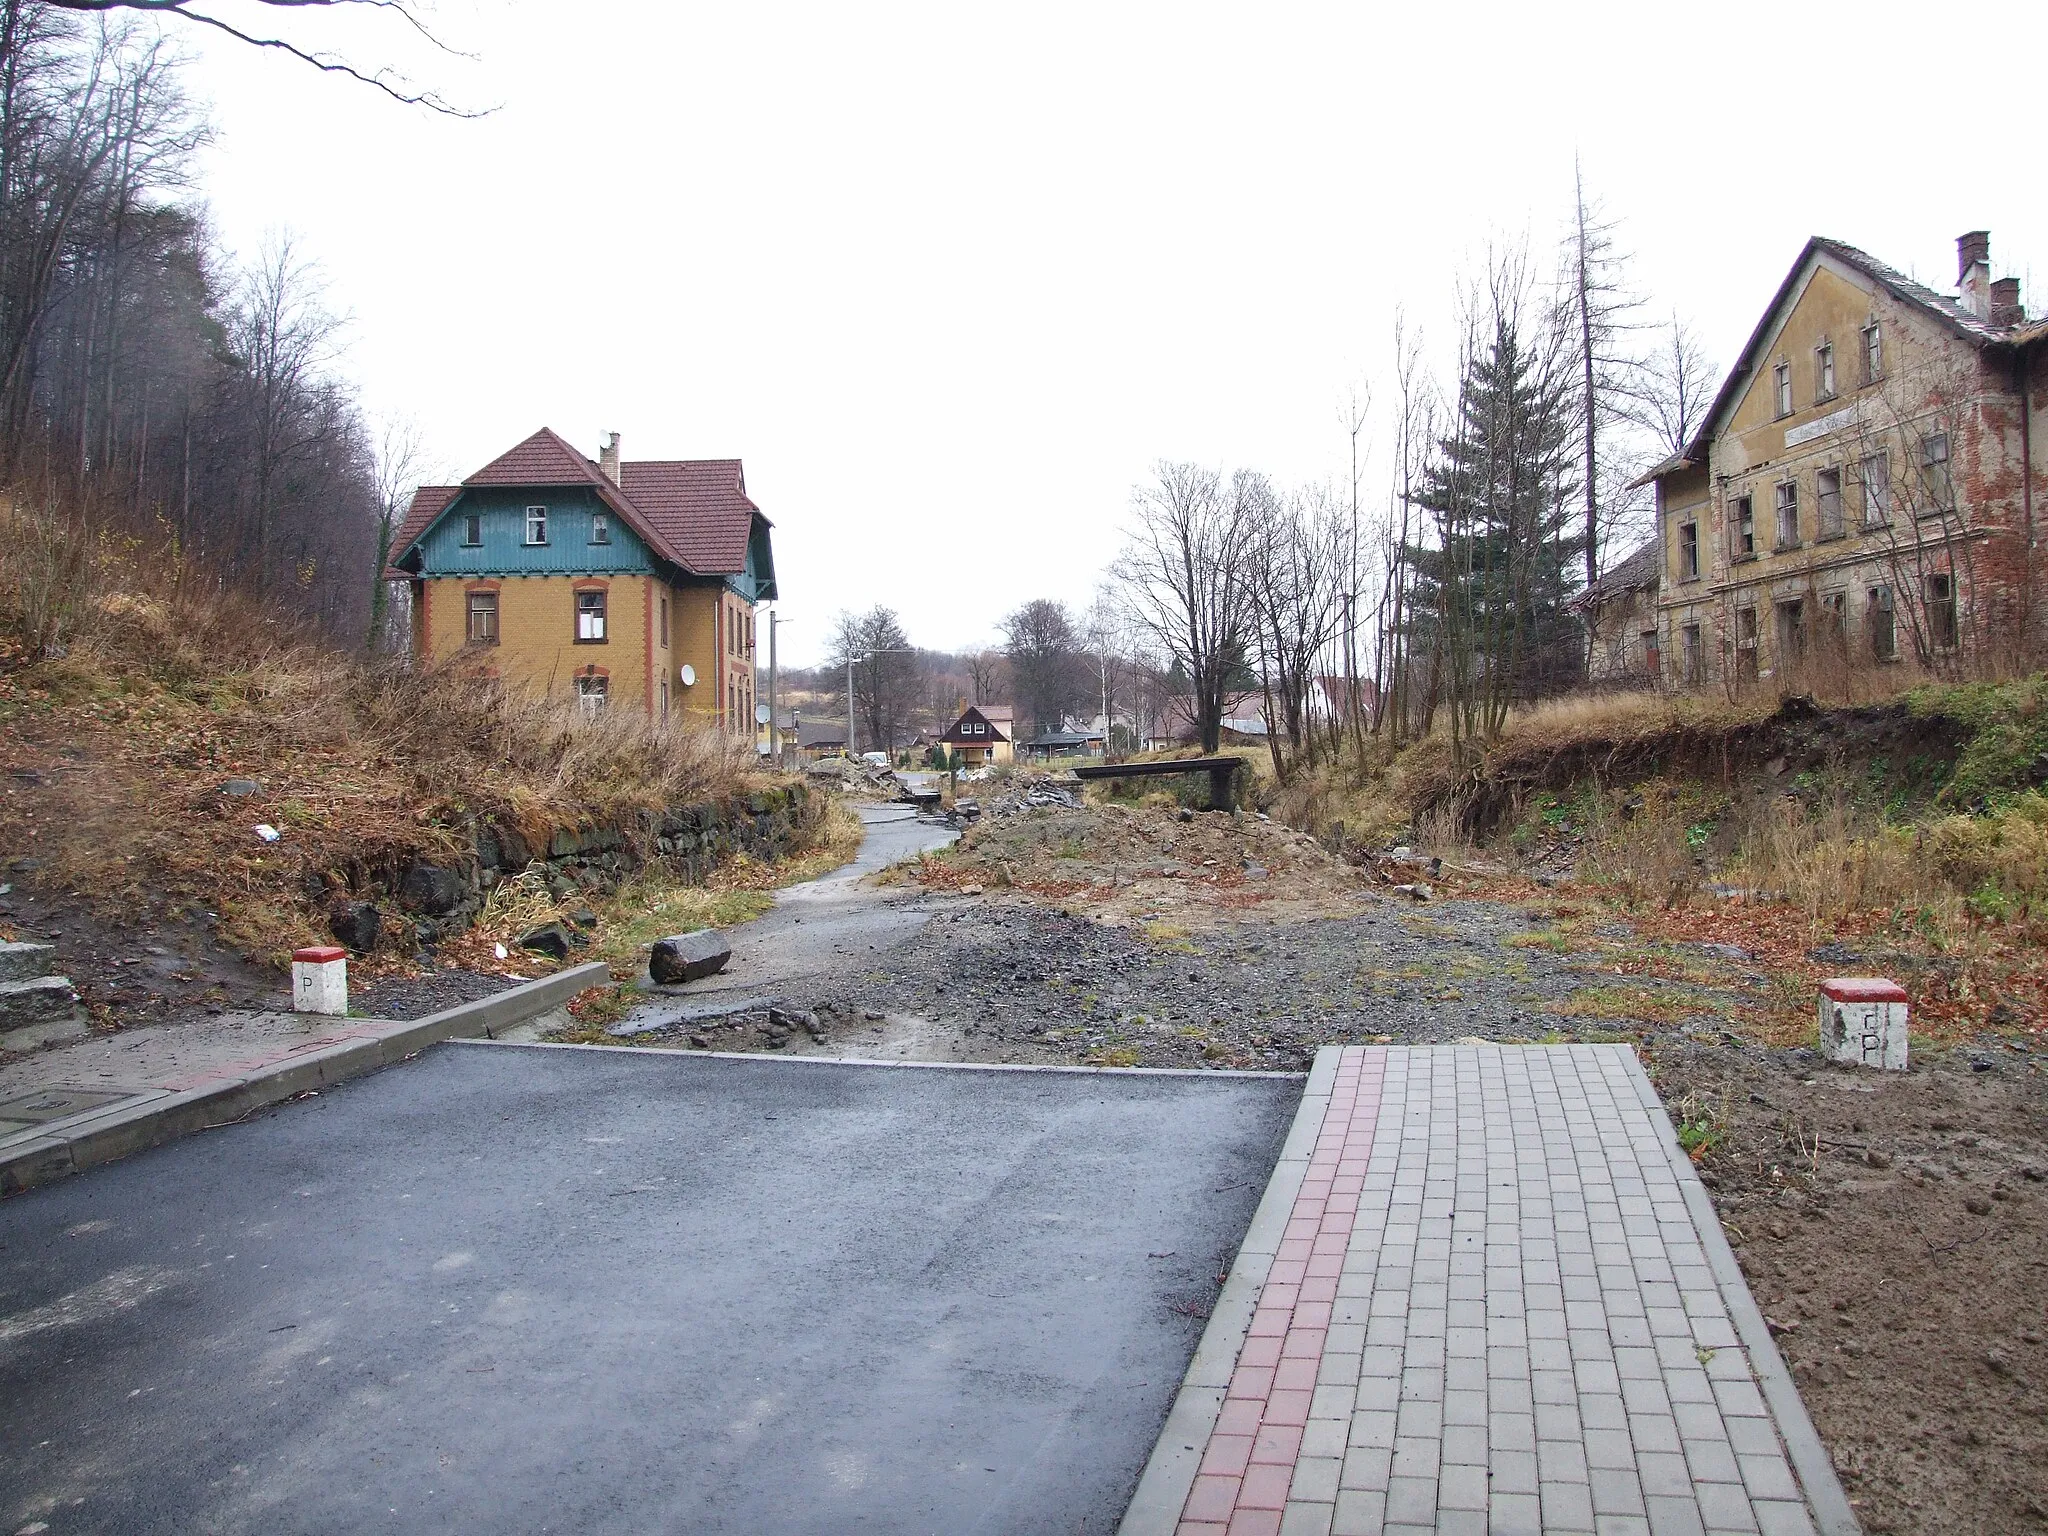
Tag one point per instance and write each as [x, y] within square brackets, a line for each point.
[1246, 1471]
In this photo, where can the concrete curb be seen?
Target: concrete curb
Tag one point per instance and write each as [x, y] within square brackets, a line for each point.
[1809, 1458]
[154, 1116]
[1162, 1491]
[869, 1061]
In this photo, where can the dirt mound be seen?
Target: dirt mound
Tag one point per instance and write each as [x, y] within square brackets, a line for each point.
[1151, 863]
[1916, 749]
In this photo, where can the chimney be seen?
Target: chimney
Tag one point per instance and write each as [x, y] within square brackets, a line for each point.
[1973, 272]
[2005, 303]
[608, 457]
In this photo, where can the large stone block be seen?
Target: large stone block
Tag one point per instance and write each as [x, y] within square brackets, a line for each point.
[35, 1001]
[25, 962]
[431, 889]
[689, 956]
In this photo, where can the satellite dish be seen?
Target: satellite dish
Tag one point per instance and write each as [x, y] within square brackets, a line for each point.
[689, 675]
[763, 714]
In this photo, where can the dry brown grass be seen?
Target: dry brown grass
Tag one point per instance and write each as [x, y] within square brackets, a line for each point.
[132, 693]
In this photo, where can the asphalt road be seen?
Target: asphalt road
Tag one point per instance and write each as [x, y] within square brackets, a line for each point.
[516, 1289]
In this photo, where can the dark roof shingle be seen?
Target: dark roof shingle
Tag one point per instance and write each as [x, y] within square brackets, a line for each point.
[695, 513]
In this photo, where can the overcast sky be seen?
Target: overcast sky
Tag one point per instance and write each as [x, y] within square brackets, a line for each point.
[950, 278]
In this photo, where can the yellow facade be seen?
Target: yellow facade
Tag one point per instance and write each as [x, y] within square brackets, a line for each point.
[1849, 493]
[536, 641]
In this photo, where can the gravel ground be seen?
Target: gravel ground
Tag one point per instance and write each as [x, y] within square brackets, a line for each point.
[1012, 981]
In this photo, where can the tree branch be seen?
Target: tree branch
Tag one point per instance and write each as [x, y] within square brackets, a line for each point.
[389, 82]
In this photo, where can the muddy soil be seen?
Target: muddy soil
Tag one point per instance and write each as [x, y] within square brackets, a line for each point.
[1894, 1229]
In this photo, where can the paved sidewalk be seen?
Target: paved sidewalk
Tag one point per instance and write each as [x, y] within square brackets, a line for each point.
[1500, 1302]
[106, 1096]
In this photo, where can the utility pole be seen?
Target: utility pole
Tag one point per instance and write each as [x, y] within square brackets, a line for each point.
[1102, 659]
[774, 696]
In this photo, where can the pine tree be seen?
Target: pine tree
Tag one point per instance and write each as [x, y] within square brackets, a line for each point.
[1490, 587]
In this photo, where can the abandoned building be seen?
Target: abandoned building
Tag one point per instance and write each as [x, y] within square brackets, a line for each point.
[1863, 489]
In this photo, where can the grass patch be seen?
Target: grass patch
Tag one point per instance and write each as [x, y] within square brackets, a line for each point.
[1644, 1004]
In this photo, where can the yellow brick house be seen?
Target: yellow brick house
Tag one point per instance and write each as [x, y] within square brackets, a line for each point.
[629, 585]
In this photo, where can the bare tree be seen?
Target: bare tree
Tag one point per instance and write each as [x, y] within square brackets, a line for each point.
[1676, 387]
[1601, 318]
[985, 673]
[285, 337]
[401, 459]
[1183, 575]
[872, 649]
[1044, 657]
[1298, 561]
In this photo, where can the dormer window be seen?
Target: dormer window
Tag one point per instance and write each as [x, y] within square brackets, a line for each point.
[600, 529]
[1783, 374]
[536, 525]
[1824, 370]
[473, 530]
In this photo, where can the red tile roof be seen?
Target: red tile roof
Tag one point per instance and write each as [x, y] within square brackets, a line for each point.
[428, 503]
[700, 505]
[694, 513]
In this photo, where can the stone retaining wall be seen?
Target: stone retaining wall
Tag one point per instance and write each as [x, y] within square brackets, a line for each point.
[439, 900]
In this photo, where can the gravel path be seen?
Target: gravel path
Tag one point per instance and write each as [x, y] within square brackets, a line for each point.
[1014, 982]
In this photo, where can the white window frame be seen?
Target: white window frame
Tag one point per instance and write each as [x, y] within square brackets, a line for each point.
[1784, 499]
[1824, 369]
[592, 695]
[536, 526]
[1873, 352]
[600, 528]
[472, 530]
[1781, 377]
[1877, 489]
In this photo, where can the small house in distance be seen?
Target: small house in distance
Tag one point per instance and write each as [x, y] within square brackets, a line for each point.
[630, 585]
[982, 735]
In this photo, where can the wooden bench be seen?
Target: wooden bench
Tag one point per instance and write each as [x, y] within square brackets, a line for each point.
[1222, 773]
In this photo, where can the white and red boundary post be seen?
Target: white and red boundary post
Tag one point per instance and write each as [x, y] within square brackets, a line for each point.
[1863, 1021]
[320, 980]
